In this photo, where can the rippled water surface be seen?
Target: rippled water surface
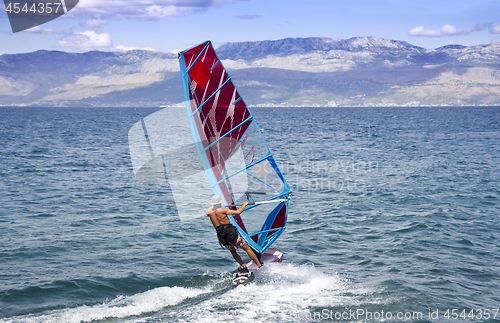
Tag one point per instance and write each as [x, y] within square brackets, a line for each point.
[395, 217]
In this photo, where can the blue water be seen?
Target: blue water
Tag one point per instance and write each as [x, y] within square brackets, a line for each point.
[395, 211]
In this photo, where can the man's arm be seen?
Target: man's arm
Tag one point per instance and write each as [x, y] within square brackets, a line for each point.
[238, 211]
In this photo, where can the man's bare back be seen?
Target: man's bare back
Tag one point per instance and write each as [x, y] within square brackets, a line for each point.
[218, 216]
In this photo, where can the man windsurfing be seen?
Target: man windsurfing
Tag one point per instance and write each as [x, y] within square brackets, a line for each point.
[227, 234]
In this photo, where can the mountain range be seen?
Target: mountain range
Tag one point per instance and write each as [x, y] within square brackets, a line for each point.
[361, 71]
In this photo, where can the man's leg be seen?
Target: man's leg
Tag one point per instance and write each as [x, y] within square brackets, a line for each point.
[251, 254]
[237, 257]
[258, 254]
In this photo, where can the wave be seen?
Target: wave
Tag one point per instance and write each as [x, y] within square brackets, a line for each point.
[119, 308]
[279, 293]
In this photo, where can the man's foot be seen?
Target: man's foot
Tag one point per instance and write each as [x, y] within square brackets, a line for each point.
[242, 270]
[247, 274]
[241, 277]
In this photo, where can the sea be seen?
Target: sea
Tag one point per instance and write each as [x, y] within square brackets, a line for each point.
[395, 218]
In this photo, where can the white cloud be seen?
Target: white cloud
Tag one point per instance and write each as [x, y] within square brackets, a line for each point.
[94, 23]
[446, 30]
[495, 29]
[144, 9]
[86, 40]
[47, 31]
[91, 40]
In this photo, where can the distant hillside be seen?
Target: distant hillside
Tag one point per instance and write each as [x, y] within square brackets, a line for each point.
[300, 46]
[92, 78]
[361, 71]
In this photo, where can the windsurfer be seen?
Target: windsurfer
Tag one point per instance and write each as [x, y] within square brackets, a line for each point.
[227, 233]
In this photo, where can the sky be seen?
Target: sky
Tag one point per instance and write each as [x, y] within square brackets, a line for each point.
[173, 25]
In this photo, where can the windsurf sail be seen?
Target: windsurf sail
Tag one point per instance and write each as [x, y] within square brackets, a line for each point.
[234, 155]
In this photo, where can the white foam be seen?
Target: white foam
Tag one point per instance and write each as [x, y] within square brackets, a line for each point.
[121, 307]
[279, 293]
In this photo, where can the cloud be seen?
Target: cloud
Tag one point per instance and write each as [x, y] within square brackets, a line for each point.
[492, 29]
[495, 29]
[481, 27]
[91, 40]
[86, 40]
[144, 9]
[446, 30]
[94, 23]
[46, 31]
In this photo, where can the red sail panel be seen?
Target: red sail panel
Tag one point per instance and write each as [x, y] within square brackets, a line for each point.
[217, 111]
[217, 78]
[221, 115]
[221, 108]
[280, 220]
[198, 60]
[200, 74]
[190, 55]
